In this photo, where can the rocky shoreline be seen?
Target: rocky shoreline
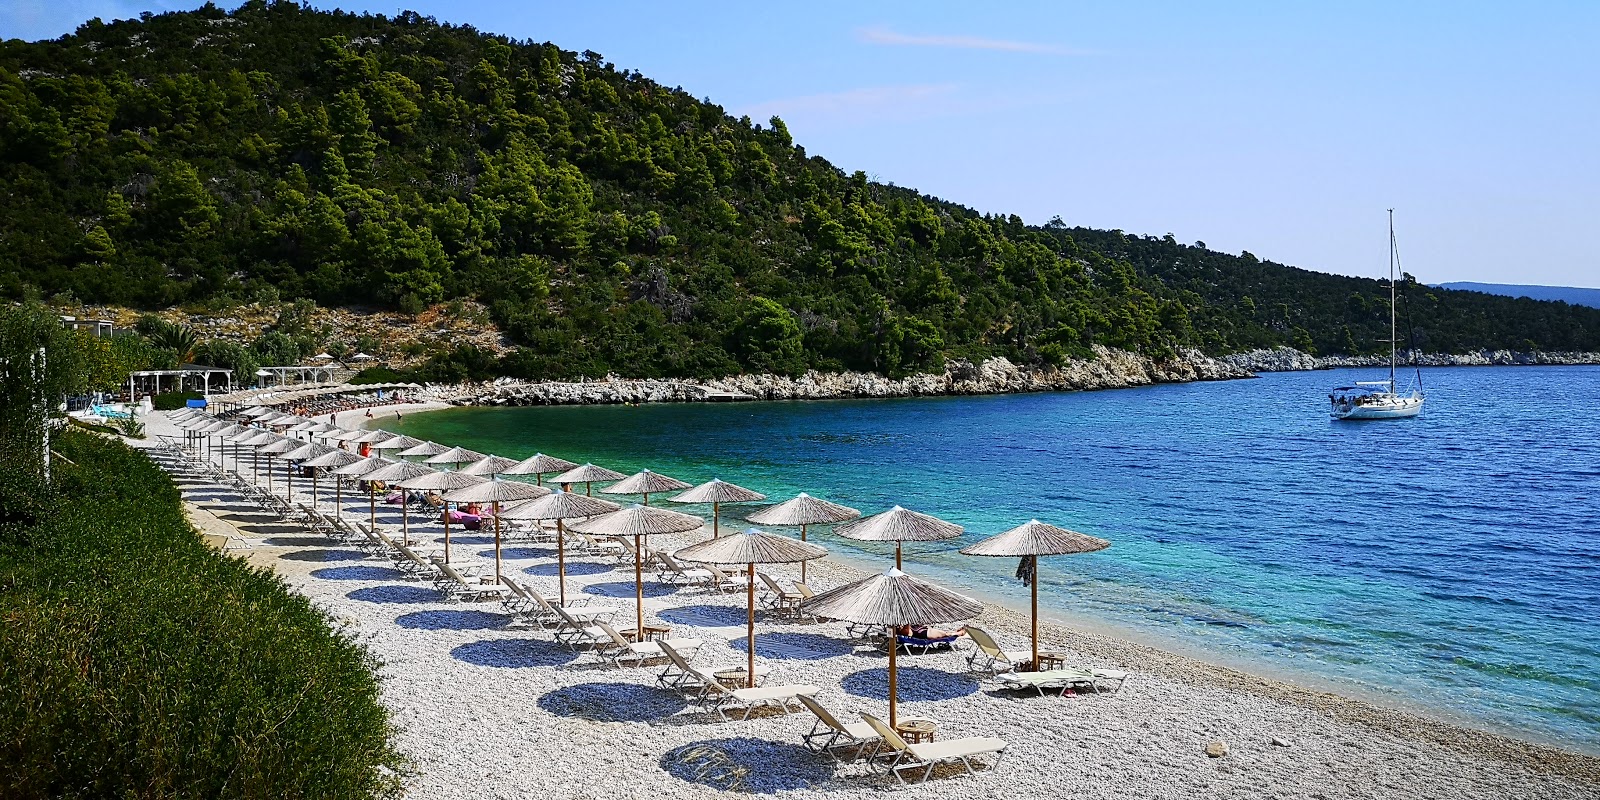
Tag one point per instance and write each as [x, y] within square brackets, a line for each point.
[1110, 369]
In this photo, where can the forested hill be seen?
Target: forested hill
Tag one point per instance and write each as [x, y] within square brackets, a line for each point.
[611, 223]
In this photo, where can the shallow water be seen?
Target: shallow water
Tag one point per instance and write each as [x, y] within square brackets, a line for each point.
[1451, 562]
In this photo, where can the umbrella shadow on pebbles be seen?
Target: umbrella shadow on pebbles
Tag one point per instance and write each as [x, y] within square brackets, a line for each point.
[357, 573]
[612, 702]
[705, 616]
[747, 764]
[394, 594]
[916, 683]
[474, 538]
[796, 646]
[573, 568]
[295, 541]
[324, 555]
[517, 553]
[626, 588]
[513, 653]
[451, 620]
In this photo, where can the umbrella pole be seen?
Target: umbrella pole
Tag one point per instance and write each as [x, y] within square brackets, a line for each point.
[750, 626]
[255, 466]
[588, 488]
[716, 520]
[1035, 612]
[561, 562]
[897, 554]
[405, 516]
[338, 498]
[802, 564]
[894, 689]
[269, 474]
[313, 488]
[638, 589]
[446, 514]
[288, 492]
[372, 505]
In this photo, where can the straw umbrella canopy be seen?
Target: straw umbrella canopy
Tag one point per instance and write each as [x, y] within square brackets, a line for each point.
[442, 482]
[645, 483]
[560, 506]
[455, 457]
[231, 436]
[899, 525]
[587, 475]
[716, 492]
[424, 449]
[1029, 541]
[254, 442]
[538, 464]
[360, 469]
[254, 411]
[395, 473]
[401, 442]
[489, 466]
[639, 521]
[804, 510]
[750, 548]
[333, 459]
[892, 599]
[495, 491]
[275, 449]
[370, 437]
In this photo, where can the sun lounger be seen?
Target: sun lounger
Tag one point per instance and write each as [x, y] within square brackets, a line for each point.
[777, 598]
[921, 647]
[991, 656]
[676, 675]
[620, 649]
[452, 584]
[670, 571]
[575, 632]
[1062, 679]
[717, 697]
[829, 735]
[900, 755]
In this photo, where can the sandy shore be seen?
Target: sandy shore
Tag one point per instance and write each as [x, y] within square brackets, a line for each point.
[486, 711]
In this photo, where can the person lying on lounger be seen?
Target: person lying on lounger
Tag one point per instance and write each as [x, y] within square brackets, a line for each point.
[925, 632]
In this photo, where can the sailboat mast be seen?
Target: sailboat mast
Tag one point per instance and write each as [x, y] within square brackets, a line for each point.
[1391, 303]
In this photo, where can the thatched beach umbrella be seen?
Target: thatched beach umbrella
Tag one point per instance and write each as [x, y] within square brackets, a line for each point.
[899, 525]
[560, 506]
[488, 466]
[254, 411]
[455, 457]
[1029, 541]
[716, 492]
[639, 521]
[395, 473]
[892, 599]
[587, 475]
[645, 483]
[804, 510]
[272, 451]
[538, 464]
[261, 437]
[306, 450]
[750, 548]
[209, 430]
[397, 443]
[424, 449]
[442, 482]
[495, 491]
[332, 459]
[230, 437]
[360, 469]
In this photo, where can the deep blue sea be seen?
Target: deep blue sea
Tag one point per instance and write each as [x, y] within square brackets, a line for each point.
[1448, 564]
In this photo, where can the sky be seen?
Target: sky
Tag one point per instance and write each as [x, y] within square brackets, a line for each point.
[1284, 129]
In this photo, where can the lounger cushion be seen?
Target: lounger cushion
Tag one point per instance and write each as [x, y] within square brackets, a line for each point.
[764, 693]
[957, 748]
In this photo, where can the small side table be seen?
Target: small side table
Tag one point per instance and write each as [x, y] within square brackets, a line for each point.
[652, 633]
[737, 678]
[916, 731]
[1050, 661]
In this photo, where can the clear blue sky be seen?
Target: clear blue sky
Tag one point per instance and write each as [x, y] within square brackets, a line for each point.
[1284, 129]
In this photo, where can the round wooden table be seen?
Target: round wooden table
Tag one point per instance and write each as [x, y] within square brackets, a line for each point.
[916, 731]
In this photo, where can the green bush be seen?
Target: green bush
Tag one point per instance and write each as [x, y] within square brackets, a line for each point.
[378, 375]
[172, 401]
[137, 662]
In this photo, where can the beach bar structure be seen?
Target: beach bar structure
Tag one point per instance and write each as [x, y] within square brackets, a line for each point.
[188, 378]
[306, 373]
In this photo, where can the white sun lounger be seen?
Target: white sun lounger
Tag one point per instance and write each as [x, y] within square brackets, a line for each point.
[714, 696]
[932, 754]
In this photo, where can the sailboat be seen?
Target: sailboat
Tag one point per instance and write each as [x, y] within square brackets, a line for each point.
[1380, 399]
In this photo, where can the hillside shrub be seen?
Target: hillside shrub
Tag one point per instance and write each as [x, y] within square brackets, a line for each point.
[172, 401]
[137, 662]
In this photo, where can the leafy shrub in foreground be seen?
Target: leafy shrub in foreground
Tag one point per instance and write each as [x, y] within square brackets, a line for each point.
[137, 662]
[172, 401]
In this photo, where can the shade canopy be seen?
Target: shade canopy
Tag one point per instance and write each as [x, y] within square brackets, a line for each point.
[370, 437]
[559, 505]
[495, 491]
[396, 471]
[425, 449]
[441, 481]
[892, 598]
[752, 546]
[588, 473]
[261, 437]
[488, 466]
[333, 459]
[396, 443]
[1035, 538]
[280, 447]
[804, 510]
[307, 450]
[639, 520]
[238, 432]
[718, 491]
[455, 455]
[254, 411]
[538, 464]
[899, 525]
[362, 467]
[645, 482]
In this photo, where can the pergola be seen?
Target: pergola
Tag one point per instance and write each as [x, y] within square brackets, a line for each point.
[302, 374]
[189, 377]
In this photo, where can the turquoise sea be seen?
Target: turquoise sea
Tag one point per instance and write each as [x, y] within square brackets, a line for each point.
[1448, 564]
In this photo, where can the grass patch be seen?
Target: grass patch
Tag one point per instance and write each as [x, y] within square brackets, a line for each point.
[136, 662]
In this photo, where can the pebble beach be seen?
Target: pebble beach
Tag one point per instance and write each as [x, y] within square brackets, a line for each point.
[485, 710]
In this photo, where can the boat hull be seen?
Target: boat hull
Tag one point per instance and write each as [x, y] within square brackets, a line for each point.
[1399, 408]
